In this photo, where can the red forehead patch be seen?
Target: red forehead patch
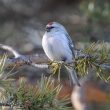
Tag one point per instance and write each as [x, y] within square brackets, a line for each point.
[50, 23]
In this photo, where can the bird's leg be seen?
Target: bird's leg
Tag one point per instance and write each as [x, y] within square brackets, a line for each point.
[56, 63]
[56, 67]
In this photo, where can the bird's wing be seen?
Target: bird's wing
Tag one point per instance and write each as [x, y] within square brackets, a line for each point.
[70, 44]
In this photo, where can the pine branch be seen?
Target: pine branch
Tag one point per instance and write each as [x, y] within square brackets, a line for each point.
[92, 56]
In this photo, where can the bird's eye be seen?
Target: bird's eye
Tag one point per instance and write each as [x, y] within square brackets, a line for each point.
[51, 27]
[48, 28]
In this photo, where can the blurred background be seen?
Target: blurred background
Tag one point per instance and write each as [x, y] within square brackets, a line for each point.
[22, 22]
[22, 25]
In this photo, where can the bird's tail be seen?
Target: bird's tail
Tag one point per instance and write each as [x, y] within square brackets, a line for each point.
[73, 76]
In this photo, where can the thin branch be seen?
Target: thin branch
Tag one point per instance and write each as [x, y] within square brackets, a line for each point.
[10, 49]
[39, 61]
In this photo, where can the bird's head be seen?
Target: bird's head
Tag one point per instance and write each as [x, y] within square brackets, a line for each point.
[54, 26]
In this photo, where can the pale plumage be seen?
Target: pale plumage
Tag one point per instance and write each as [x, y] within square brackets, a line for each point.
[58, 45]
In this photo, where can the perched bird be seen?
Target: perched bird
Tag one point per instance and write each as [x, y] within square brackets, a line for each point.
[58, 46]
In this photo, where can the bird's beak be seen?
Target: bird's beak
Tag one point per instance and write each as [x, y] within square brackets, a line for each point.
[47, 29]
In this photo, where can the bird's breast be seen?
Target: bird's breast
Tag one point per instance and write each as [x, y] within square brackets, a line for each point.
[56, 48]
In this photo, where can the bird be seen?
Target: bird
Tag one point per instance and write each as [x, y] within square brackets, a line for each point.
[58, 46]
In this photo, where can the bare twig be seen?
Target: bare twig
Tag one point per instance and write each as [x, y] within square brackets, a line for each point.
[39, 61]
[10, 49]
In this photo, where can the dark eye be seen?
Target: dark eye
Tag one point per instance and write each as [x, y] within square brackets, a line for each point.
[48, 29]
[51, 27]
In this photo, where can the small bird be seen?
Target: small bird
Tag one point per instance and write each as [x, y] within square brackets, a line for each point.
[58, 46]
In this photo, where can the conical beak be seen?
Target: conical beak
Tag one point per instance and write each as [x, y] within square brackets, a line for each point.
[47, 29]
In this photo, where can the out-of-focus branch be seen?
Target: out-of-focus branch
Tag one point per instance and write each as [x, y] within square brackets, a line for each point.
[38, 60]
[10, 49]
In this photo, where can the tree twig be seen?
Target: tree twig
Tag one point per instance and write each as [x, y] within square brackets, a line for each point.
[39, 61]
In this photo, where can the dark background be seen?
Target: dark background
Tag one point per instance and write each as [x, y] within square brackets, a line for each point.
[22, 22]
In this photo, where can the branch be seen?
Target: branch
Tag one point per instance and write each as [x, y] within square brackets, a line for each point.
[10, 49]
[39, 61]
